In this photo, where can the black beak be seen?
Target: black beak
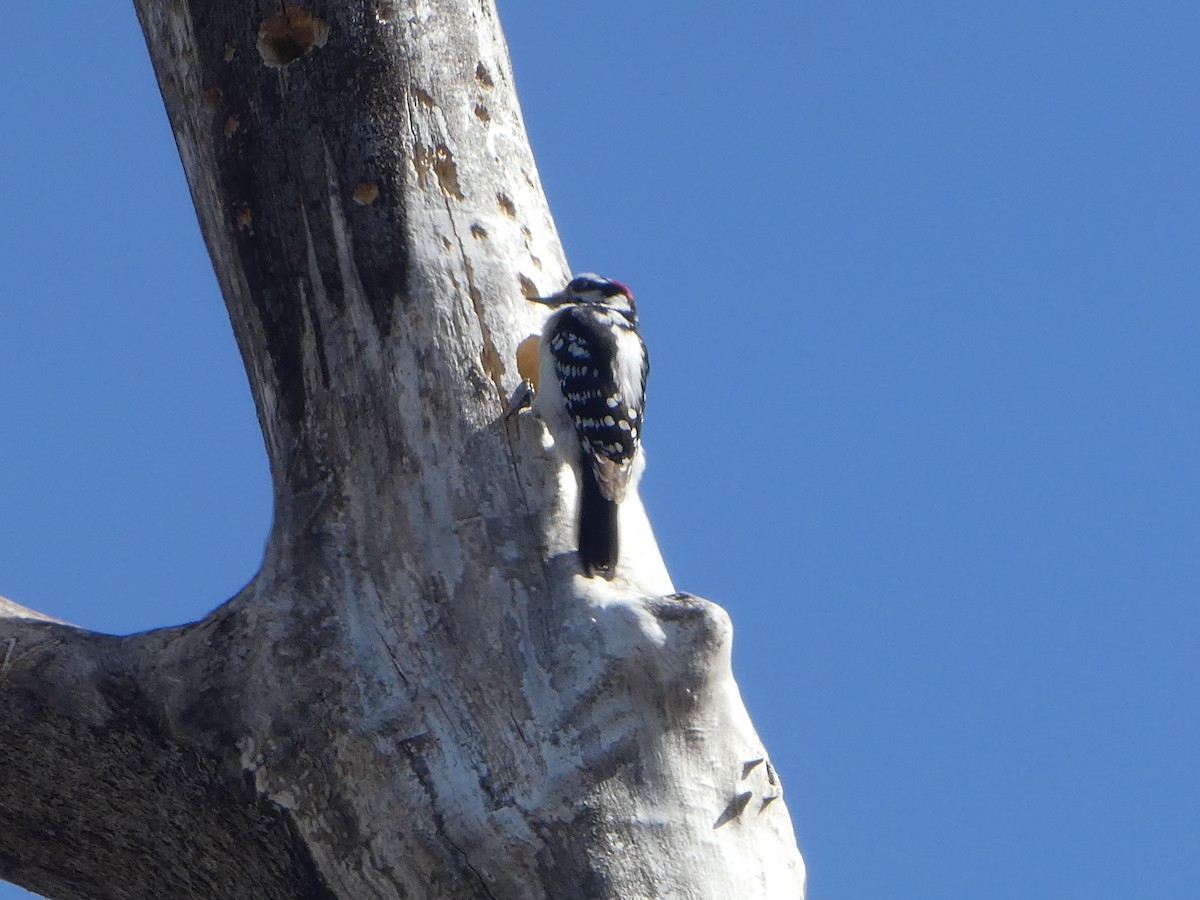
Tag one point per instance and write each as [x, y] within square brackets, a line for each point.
[553, 300]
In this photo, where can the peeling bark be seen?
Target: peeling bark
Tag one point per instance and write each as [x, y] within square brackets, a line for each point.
[417, 695]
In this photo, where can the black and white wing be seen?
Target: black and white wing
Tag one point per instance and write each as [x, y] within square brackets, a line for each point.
[601, 364]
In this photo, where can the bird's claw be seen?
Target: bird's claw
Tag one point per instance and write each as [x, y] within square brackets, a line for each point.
[521, 399]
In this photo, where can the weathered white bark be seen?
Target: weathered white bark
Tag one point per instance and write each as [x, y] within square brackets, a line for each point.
[416, 696]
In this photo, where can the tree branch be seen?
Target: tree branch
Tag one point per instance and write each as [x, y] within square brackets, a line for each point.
[417, 695]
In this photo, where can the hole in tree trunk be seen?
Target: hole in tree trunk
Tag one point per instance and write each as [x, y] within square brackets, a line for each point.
[286, 36]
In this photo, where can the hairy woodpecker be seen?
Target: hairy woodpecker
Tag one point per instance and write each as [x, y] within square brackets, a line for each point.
[592, 367]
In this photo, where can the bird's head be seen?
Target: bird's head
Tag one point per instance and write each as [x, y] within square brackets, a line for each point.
[589, 289]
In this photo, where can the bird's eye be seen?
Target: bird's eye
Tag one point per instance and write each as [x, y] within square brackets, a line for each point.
[578, 285]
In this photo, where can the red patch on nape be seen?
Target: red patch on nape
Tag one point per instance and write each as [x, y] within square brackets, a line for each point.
[624, 288]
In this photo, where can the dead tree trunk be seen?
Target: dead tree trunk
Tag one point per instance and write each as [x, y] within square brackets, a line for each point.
[417, 696]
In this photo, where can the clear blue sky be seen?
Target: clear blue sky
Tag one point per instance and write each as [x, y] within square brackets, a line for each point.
[921, 283]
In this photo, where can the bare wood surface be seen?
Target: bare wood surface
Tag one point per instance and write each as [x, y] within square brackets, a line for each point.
[417, 696]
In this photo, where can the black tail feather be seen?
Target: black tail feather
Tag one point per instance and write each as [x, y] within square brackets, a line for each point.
[599, 543]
